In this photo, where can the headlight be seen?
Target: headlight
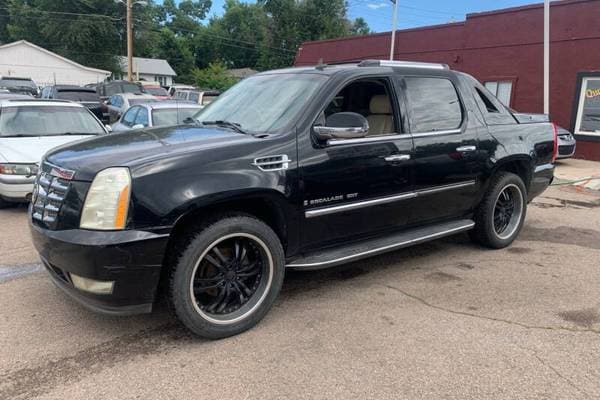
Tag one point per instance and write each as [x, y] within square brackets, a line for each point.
[19, 169]
[107, 201]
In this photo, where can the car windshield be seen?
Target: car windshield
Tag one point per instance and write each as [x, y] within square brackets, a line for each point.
[14, 83]
[122, 88]
[76, 95]
[208, 98]
[134, 102]
[172, 116]
[156, 91]
[263, 103]
[47, 120]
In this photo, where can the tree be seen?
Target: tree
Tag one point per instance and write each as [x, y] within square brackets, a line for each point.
[360, 27]
[215, 76]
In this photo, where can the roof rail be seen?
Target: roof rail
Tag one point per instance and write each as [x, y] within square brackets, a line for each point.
[405, 64]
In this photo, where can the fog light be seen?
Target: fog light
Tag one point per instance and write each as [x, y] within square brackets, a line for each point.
[92, 286]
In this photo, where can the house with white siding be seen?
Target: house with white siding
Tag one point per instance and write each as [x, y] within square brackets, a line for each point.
[149, 69]
[27, 60]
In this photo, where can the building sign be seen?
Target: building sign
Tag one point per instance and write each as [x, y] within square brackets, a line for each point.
[588, 112]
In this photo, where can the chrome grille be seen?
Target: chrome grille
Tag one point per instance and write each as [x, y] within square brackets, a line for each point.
[48, 196]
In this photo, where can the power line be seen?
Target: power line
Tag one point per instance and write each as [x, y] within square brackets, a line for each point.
[35, 11]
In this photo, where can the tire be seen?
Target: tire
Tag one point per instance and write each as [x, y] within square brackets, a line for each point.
[218, 293]
[4, 203]
[496, 226]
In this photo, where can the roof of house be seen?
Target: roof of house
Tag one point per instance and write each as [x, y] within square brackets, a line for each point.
[29, 44]
[150, 66]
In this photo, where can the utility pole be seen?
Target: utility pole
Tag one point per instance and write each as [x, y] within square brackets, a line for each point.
[394, 21]
[129, 6]
[546, 56]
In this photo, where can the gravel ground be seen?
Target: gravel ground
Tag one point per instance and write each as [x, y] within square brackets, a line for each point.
[444, 320]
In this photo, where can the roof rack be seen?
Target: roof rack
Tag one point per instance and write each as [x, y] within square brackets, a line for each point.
[405, 64]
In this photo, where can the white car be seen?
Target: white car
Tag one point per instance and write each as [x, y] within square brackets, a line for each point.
[28, 129]
[156, 114]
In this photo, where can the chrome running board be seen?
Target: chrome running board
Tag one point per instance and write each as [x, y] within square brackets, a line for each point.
[356, 251]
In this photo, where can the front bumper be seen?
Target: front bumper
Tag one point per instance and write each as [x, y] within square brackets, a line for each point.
[132, 259]
[16, 188]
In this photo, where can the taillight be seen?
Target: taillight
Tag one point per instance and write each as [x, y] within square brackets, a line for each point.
[555, 149]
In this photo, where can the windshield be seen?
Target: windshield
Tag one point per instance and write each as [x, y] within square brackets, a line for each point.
[122, 88]
[7, 82]
[172, 116]
[263, 103]
[75, 95]
[47, 121]
[156, 91]
[207, 99]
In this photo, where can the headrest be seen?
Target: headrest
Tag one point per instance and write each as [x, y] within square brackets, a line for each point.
[380, 104]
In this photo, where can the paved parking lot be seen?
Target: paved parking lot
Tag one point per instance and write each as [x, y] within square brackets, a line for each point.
[444, 320]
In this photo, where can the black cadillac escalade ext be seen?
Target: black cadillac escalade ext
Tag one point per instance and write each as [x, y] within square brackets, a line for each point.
[298, 168]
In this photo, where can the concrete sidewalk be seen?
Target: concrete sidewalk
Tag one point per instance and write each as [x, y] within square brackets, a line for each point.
[581, 173]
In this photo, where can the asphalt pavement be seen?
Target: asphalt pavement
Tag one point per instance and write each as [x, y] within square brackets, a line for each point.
[443, 320]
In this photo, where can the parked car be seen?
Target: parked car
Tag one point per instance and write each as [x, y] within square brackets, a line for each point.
[154, 89]
[566, 143]
[117, 104]
[82, 95]
[28, 129]
[7, 95]
[302, 168]
[109, 88]
[197, 97]
[155, 114]
[178, 86]
[18, 85]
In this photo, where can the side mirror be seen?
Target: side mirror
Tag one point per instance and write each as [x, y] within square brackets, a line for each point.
[138, 126]
[189, 120]
[108, 128]
[344, 125]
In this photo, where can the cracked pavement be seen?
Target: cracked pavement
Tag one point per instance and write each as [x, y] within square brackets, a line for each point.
[443, 320]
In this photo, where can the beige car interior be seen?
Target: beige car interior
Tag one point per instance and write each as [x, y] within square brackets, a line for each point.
[369, 98]
[380, 117]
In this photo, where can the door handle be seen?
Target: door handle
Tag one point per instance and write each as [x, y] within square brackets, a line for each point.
[397, 157]
[466, 149]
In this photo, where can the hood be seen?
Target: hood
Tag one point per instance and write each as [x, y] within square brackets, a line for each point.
[31, 149]
[138, 147]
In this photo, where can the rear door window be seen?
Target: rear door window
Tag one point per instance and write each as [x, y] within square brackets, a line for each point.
[434, 104]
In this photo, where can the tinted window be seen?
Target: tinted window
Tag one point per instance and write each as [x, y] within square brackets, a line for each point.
[142, 117]
[156, 91]
[129, 116]
[15, 83]
[75, 95]
[434, 104]
[47, 121]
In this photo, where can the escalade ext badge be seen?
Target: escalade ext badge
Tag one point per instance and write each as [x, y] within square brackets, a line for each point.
[272, 163]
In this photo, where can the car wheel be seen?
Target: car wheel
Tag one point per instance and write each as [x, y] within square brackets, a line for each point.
[227, 277]
[500, 216]
[3, 203]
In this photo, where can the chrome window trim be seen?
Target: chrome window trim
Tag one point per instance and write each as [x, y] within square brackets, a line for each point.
[382, 249]
[318, 212]
[395, 136]
[373, 139]
[436, 133]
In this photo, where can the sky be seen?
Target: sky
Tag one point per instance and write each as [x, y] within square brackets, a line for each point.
[412, 13]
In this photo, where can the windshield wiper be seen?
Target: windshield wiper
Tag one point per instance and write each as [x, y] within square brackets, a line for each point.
[226, 124]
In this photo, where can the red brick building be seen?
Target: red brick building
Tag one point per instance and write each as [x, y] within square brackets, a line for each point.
[504, 49]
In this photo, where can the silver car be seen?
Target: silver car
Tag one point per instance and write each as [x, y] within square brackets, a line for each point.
[566, 143]
[155, 114]
[118, 103]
